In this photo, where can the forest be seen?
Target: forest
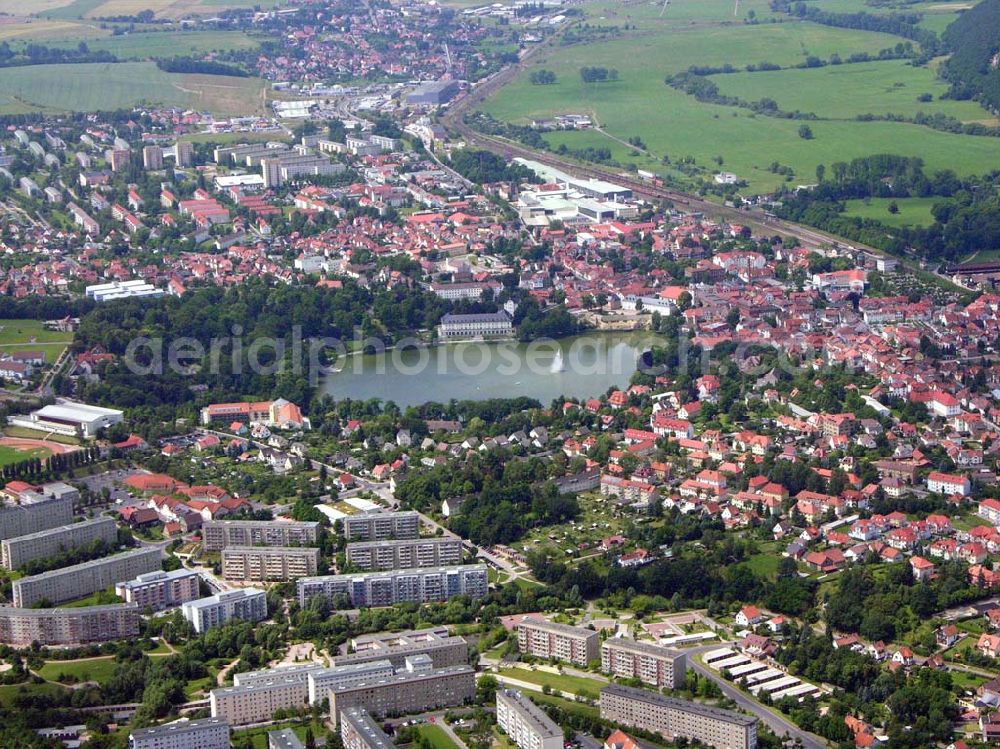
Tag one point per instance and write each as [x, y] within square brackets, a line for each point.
[972, 68]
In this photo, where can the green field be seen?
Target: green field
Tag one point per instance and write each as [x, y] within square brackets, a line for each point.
[96, 669]
[100, 598]
[258, 736]
[142, 46]
[105, 86]
[841, 92]
[676, 126]
[9, 455]
[8, 692]
[436, 736]
[580, 685]
[912, 211]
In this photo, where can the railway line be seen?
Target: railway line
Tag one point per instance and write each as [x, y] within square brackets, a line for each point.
[453, 120]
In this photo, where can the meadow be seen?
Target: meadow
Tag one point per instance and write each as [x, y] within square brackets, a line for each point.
[675, 126]
[842, 92]
[151, 45]
[911, 211]
[104, 86]
[74, 672]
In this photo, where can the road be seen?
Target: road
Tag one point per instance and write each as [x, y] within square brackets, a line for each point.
[776, 722]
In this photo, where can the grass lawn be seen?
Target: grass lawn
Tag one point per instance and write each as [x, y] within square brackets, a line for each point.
[98, 669]
[8, 692]
[765, 565]
[34, 434]
[62, 88]
[580, 685]
[912, 211]
[10, 455]
[436, 736]
[100, 598]
[258, 736]
[575, 708]
[30, 331]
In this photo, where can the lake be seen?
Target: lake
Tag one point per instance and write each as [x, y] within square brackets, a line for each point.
[582, 366]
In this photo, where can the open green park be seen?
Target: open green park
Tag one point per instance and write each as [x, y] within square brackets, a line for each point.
[579, 685]
[674, 126]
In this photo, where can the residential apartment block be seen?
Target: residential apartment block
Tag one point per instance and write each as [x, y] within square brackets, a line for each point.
[160, 590]
[263, 563]
[18, 551]
[651, 664]
[248, 604]
[80, 580]
[254, 703]
[219, 534]
[544, 639]
[315, 679]
[207, 733]
[443, 649]
[404, 554]
[286, 738]
[359, 731]
[381, 526]
[673, 718]
[71, 626]
[31, 510]
[407, 692]
[322, 681]
[389, 588]
[526, 723]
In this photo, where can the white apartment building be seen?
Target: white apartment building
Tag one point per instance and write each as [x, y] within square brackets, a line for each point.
[404, 553]
[160, 590]
[526, 723]
[207, 733]
[249, 604]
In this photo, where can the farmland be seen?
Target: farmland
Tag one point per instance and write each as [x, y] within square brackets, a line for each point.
[104, 86]
[675, 126]
[142, 46]
[73, 9]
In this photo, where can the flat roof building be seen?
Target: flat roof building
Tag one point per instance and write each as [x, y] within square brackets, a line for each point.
[651, 664]
[70, 419]
[264, 563]
[407, 692]
[404, 553]
[69, 626]
[544, 639]
[526, 723]
[433, 93]
[253, 703]
[136, 288]
[389, 588]
[283, 739]
[673, 718]
[18, 551]
[322, 681]
[218, 534]
[443, 649]
[359, 731]
[206, 733]
[381, 526]
[32, 511]
[248, 604]
[160, 590]
[80, 580]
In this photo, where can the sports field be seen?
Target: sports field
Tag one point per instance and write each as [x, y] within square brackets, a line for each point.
[9, 455]
[105, 86]
[675, 126]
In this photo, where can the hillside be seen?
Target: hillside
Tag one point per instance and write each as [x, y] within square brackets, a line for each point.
[974, 67]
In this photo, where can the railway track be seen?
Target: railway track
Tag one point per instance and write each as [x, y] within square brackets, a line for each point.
[453, 120]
